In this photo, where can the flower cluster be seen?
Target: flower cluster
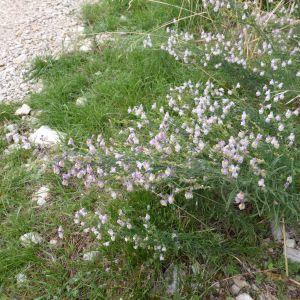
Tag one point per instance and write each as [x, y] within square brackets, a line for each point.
[172, 149]
[16, 139]
[242, 45]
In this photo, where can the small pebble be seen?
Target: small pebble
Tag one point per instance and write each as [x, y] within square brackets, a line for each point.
[90, 256]
[240, 282]
[293, 254]
[41, 195]
[290, 243]
[244, 296]
[30, 238]
[234, 290]
[45, 136]
[81, 101]
[23, 110]
[21, 278]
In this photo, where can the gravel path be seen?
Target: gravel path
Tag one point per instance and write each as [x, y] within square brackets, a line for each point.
[29, 28]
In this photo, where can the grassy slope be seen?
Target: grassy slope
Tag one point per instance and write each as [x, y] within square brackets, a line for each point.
[113, 78]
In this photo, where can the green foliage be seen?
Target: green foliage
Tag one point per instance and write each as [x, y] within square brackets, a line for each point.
[139, 16]
[111, 80]
[216, 239]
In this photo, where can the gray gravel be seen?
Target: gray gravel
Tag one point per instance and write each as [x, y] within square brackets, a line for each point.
[29, 28]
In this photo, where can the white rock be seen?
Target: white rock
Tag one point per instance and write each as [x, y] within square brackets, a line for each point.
[90, 256]
[234, 289]
[20, 59]
[45, 136]
[290, 243]
[244, 296]
[293, 254]
[41, 195]
[23, 110]
[53, 242]
[30, 238]
[240, 282]
[86, 46]
[21, 278]
[123, 18]
[81, 101]
[80, 29]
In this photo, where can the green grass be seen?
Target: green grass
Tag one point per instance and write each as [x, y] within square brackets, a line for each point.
[138, 16]
[112, 78]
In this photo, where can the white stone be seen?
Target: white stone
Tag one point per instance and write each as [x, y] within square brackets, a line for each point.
[81, 101]
[21, 278]
[23, 110]
[290, 243]
[244, 296]
[45, 136]
[20, 59]
[293, 254]
[41, 195]
[86, 46]
[234, 289]
[240, 282]
[80, 29]
[53, 242]
[30, 238]
[90, 256]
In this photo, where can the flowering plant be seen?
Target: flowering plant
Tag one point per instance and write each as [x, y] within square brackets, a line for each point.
[202, 136]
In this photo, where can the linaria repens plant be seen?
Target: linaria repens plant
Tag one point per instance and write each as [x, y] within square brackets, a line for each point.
[236, 143]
